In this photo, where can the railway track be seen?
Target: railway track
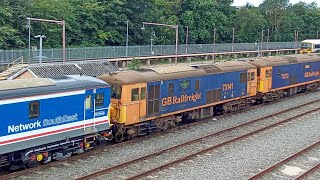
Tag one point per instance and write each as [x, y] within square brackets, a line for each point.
[296, 166]
[105, 148]
[165, 158]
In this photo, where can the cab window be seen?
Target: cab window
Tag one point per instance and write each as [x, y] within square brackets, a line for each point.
[34, 109]
[268, 73]
[116, 91]
[135, 94]
[253, 74]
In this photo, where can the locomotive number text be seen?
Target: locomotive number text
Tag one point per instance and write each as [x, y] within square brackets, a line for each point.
[228, 86]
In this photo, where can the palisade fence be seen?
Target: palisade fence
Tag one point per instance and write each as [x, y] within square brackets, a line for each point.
[109, 52]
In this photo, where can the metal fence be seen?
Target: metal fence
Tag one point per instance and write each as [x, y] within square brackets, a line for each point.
[73, 54]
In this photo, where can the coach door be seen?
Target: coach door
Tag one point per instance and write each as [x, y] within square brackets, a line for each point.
[252, 82]
[88, 112]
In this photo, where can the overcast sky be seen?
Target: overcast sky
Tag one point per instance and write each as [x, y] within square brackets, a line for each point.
[257, 2]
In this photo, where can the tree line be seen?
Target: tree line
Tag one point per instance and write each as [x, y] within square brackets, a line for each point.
[104, 22]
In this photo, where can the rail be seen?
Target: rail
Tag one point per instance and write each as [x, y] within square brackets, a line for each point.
[196, 140]
[282, 162]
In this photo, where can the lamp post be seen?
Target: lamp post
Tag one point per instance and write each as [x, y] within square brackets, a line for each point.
[262, 34]
[187, 37]
[257, 42]
[127, 39]
[62, 23]
[166, 25]
[296, 38]
[29, 40]
[317, 34]
[151, 42]
[268, 36]
[40, 46]
[232, 39]
[214, 42]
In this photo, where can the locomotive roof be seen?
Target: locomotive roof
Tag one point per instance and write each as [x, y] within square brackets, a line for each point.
[283, 60]
[37, 86]
[174, 72]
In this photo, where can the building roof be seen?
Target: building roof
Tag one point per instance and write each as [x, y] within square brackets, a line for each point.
[88, 68]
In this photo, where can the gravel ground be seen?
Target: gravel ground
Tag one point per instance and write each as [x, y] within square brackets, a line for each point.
[296, 166]
[175, 154]
[249, 156]
[117, 155]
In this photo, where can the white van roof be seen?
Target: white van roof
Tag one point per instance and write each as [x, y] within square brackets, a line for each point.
[313, 41]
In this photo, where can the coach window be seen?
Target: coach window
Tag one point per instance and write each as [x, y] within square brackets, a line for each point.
[34, 109]
[171, 89]
[88, 102]
[135, 94]
[243, 77]
[99, 100]
[197, 85]
[143, 93]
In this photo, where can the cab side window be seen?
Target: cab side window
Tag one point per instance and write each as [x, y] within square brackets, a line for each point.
[135, 94]
[34, 109]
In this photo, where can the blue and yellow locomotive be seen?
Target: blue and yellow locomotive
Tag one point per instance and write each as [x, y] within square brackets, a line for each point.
[157, 98]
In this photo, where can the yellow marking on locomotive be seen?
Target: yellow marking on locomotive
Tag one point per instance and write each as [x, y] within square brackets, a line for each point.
[182, 99]
[226, 87]
[311, 74]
